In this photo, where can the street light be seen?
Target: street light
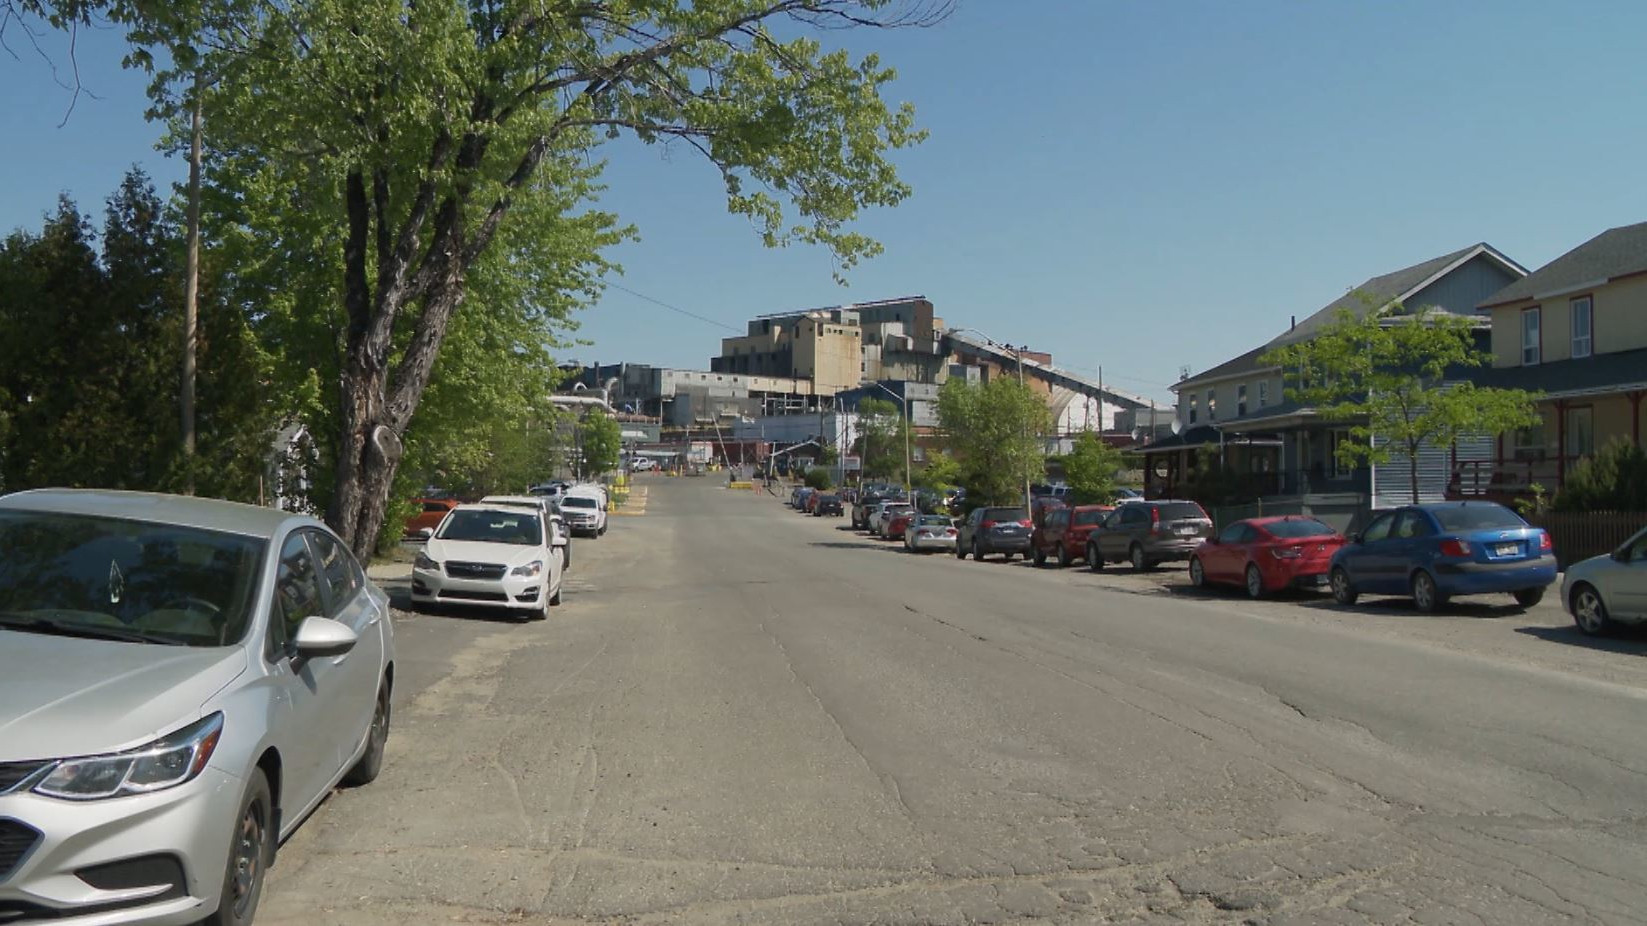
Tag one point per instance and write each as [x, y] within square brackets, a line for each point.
[908, 423]
[1018, 354]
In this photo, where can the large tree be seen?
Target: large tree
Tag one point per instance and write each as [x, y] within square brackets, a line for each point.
[397, 144]
[1398, 380]
[994, 431]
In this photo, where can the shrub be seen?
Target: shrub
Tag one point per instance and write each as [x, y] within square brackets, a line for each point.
[1612, 479]
[818, 478]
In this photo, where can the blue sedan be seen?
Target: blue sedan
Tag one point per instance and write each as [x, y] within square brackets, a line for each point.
[1434, 552]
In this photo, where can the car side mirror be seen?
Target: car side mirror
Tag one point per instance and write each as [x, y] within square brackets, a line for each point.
[426, 532]
[320, 637]
[1621, 555]
[1353, 537]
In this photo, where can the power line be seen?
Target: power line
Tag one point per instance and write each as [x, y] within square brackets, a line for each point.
[674, 308]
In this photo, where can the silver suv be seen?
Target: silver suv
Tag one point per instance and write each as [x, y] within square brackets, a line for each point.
[1148, 533]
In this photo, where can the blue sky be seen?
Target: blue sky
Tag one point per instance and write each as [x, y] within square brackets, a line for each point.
[1139, 185]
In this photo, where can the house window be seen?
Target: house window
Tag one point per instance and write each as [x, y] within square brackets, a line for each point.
[1530, 444]
[1240, 400]
[1263, 393]
[1583, 329]
[1192, 409]
[1581, 432]
[1212, 405]
[1531, 342]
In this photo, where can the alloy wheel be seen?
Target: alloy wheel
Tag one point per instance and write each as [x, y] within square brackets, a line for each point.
[1424, 592]
[1588, 611]
[1198, 576]
[1255, 582]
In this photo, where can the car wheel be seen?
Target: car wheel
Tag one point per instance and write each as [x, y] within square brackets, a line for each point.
[1198, 576]
[1589, 612]
[1063, 556]
[1426, 597]
[250, 853]
[960, 551]
[601, 532]
[1529, 597]
[1040, 557]
[977, 551]
[1343, 591]
[1095, 562]
[1255, 582]
[1139, 563]
[554, 600]
[371, 761]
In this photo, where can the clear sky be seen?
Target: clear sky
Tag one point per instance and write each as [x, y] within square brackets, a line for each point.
[1141, 185]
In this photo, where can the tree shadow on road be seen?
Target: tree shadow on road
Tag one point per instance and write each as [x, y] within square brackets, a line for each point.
[1630, 641]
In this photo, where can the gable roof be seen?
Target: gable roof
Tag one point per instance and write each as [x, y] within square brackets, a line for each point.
[1614, 253]
[1374, 295]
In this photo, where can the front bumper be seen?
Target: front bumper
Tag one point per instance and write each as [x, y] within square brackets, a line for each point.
[1469, 578]
[435, 587]
[186, 829]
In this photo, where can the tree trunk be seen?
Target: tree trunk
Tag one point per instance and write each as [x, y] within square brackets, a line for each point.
[1412, 469]
[191, 292]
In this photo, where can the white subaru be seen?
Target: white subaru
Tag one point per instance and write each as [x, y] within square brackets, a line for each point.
[496, 556]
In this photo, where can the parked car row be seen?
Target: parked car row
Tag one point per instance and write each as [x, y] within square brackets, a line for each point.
[508, 552]
[1430, 553]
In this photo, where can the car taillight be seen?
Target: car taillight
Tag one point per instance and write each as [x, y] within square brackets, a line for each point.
[1286, 552]
[952, 532]
[987, 525]
[1027, 523]
[1544, 543]
[1452, 547]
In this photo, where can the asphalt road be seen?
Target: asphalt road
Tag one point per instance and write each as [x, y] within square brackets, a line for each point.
[742, 715]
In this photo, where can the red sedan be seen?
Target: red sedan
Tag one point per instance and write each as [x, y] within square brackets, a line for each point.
[1266, 555]
[897, 524]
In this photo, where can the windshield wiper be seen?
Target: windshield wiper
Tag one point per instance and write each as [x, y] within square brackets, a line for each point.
[46, 625]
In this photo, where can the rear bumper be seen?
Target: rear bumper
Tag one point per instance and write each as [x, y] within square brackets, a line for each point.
[1007, 544]
[1172, 549]
[932, 543]
[1488, 578]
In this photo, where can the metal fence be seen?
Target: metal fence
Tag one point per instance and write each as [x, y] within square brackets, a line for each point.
[1579, 535]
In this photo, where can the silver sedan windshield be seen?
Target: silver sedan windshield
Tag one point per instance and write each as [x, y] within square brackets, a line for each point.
[79, 575]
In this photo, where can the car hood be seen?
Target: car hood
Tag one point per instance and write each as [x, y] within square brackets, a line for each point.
[65, 696]
[478, 551]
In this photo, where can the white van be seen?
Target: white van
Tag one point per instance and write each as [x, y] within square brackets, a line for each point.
[584, 508]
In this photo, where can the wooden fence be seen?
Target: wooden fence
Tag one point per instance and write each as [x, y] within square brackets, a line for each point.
[1583, 534]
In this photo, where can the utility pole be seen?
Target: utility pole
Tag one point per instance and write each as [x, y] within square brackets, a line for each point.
[191, 291]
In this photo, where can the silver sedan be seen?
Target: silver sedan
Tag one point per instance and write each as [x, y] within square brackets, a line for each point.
[1605, 591]
[182, 681]
[929, 532]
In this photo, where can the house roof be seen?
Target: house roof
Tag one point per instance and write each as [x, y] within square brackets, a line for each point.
[1614, 253]
[1600, 373]
[1373, 295]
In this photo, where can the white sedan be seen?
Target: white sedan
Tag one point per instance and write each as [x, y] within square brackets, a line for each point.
[494, 556]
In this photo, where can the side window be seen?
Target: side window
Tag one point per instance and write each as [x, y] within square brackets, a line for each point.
[1638, 552]
[1136, 515]
[296, 592]
[1412, 524]
[337, 571]
[1378, 530]
[1234, 533]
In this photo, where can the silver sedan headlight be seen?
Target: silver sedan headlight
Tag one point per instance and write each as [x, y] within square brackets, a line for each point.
[530, 569]
[165, 763]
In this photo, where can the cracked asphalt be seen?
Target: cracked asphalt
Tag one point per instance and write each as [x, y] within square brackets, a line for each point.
[742, 715]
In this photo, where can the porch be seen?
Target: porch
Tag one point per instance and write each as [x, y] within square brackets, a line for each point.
[1573, 428]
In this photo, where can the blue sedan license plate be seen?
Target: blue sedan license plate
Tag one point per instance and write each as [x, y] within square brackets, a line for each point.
[1507, 549]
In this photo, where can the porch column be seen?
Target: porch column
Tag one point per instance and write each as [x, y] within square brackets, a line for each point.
[1561, 442]
[1635, 416]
